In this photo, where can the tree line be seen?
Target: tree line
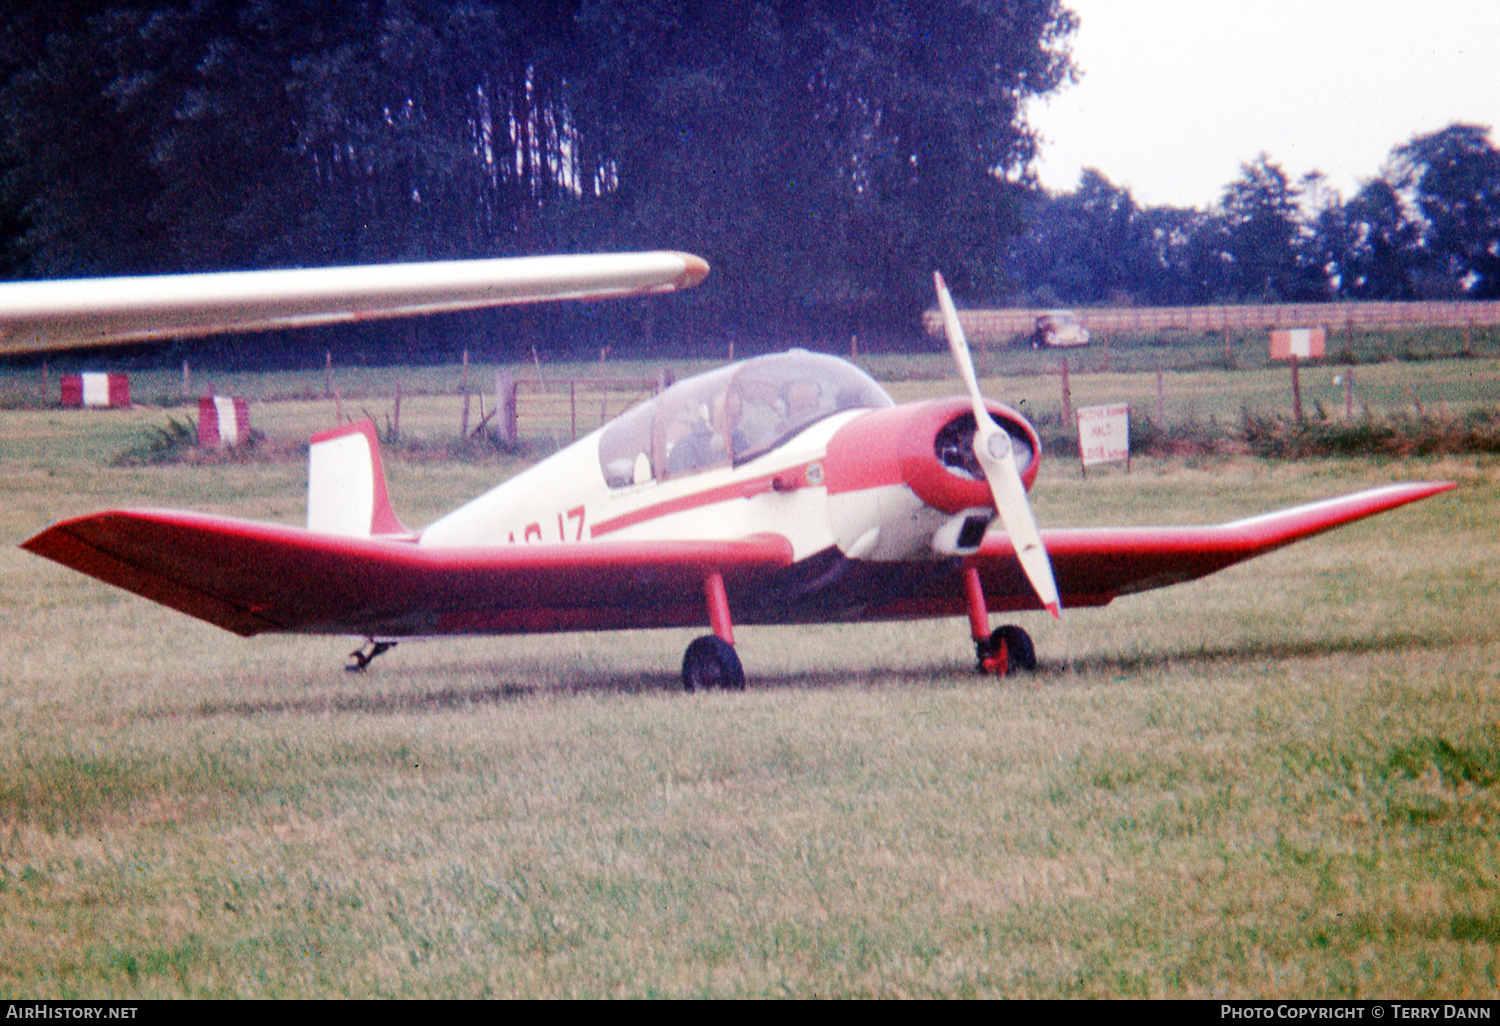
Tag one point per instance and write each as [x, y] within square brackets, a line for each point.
[824, 155]
[1427, 226]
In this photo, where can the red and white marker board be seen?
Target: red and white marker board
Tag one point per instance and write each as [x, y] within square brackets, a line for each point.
[1303, 343]
[96, 391]
[222, 421]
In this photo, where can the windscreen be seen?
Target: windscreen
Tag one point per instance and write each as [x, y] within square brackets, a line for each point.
[731, 415]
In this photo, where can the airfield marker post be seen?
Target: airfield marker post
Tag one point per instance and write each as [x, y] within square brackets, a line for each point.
[1293, 344]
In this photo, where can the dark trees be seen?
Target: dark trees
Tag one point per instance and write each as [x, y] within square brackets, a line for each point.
[826, 157]
[1379, 253]
[1454, 178]
[1427, 227]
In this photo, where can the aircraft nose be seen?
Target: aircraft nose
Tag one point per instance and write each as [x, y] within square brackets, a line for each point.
[928, 447]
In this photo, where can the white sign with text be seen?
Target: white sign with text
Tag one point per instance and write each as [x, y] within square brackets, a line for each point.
[1104, 434]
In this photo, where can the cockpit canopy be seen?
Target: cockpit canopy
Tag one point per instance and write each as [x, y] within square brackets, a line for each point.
[731, 415]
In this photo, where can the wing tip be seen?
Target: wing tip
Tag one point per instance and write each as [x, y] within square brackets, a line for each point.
[694, 270]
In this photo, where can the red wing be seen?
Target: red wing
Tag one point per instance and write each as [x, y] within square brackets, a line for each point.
[1094, 565]
[250, 577]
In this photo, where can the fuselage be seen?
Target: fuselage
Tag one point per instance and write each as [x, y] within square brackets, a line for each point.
[800, 445]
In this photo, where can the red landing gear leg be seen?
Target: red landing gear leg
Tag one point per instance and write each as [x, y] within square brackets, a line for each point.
[1005, 650]
[711, 661]
[718, 607]
[992, 658]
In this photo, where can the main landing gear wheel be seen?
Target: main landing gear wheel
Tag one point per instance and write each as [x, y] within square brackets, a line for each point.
[711, 662]
[1009, 651]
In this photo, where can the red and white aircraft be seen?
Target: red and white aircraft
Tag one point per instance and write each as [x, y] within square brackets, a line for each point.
[785, 489]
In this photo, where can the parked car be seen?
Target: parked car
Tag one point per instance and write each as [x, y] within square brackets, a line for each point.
[1059, 328]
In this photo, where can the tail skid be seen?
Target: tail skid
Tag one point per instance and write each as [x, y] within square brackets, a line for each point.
[346, 493]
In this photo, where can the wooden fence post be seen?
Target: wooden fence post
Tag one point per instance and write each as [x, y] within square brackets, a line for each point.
[1296, 389]
[505, 405]
[463, 420]
[1067, 393]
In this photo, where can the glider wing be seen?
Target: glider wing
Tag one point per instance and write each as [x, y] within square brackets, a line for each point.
[39, 316]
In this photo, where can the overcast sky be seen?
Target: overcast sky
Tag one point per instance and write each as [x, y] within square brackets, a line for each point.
[1177, 94]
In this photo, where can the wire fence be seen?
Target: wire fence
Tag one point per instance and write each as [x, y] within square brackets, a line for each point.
[537, 407]
[996, 326]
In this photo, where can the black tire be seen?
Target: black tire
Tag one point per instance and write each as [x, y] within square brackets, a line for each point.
[711, 662]
[1020, 653]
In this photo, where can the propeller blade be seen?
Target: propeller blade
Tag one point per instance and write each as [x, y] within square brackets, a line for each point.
[993, 450]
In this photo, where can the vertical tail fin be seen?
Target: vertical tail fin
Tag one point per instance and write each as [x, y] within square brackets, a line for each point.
[346, 492]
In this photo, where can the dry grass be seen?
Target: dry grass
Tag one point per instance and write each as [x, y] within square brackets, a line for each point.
[1281, 781]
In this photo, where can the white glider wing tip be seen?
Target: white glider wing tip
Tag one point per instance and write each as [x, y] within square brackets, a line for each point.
[39, 316]
[695, 269]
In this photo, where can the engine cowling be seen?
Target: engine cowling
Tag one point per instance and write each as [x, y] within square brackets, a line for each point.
[903, 482]
[929, 447]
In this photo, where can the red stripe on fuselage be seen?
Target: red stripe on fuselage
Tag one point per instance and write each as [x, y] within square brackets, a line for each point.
[790, 478]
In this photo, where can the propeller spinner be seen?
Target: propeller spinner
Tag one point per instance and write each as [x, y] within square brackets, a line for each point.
[993, 450]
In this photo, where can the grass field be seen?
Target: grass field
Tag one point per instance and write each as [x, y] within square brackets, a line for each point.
[1283, 780]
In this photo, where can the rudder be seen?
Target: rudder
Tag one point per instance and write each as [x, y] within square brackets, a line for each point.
[346, 492]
